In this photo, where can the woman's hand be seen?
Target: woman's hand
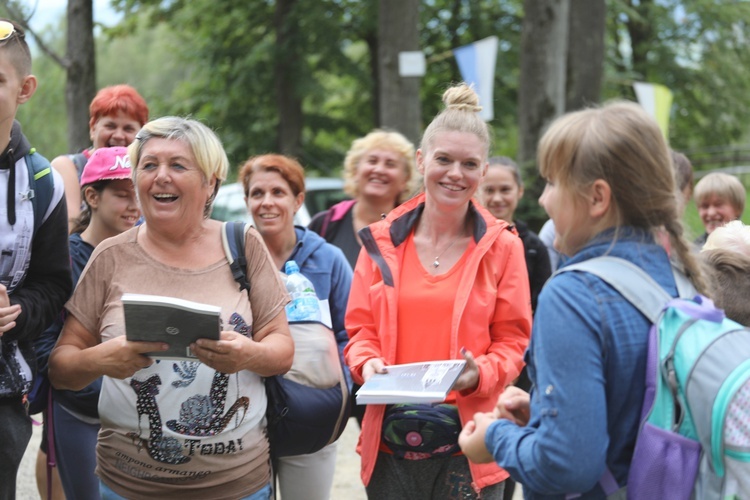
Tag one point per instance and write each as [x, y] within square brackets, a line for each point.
[80, 357]
[229, 354]
[469, 378]
[514, 405]
[471, 438]
[121, 358]
[373, 366]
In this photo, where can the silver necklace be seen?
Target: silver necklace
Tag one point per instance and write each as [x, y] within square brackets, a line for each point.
[436, 262]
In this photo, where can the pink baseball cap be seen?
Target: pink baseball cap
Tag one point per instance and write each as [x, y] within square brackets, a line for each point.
[107, 164]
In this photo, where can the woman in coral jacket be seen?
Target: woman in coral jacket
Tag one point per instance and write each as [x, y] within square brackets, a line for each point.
[438, 278]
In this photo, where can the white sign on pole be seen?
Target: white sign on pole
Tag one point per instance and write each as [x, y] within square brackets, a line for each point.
[411, 63]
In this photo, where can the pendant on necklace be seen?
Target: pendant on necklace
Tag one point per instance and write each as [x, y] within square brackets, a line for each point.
[436, 264]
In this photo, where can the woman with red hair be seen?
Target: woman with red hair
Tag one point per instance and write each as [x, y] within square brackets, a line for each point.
[117, 113]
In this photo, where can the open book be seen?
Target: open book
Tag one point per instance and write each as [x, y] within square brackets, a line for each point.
[423, 382]
[177, 322]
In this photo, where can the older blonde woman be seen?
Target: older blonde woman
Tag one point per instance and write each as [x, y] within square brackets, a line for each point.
[193, 429]
[379, 174]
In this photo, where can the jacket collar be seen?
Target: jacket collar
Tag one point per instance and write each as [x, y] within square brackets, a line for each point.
[397, 225]
[403, 219]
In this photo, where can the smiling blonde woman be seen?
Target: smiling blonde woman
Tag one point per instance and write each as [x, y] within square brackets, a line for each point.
[187, 429]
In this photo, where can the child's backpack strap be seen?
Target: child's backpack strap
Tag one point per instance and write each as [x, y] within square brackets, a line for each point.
[233, 240]
[634, 283]
[41, 185]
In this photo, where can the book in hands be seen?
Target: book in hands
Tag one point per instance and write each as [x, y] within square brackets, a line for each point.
[423, 382]
[176, 322]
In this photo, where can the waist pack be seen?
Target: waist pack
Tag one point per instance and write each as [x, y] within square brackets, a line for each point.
[694, 438]
[421, 431]
[308, 407]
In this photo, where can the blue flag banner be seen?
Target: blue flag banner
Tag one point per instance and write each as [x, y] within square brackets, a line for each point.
[476, 62]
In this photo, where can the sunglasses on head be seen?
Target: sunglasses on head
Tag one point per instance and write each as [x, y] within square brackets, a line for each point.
[7, 30]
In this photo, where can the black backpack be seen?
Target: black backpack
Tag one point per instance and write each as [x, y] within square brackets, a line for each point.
[301, 419]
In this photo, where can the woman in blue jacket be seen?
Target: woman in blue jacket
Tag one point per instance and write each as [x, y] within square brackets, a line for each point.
[610, 189]
[274, 188]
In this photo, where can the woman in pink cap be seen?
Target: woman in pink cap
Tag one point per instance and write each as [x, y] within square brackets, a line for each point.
[109, 208]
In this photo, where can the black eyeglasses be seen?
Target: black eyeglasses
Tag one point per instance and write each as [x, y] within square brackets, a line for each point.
[7, 30]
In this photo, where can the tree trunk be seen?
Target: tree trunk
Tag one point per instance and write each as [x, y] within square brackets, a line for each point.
[642, 37]
[585, 70]
[541, 95]
[287, 70]
[372, 47]
[398, 96]
[80, 85]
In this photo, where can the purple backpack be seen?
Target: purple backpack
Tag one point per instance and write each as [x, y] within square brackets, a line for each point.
[694, 438]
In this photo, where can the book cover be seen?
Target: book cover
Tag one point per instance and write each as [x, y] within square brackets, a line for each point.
[423, 382]
[177, 322]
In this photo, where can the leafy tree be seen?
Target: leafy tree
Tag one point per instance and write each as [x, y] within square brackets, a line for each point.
[79, 63]
[448, 24]
[235, 64]
[699, 49]
[398, 96]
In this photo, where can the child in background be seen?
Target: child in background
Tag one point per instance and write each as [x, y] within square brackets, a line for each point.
[727, 253]
[110, 207]
[683, 173]
[610, 190]
[500, 192]
[720, 198]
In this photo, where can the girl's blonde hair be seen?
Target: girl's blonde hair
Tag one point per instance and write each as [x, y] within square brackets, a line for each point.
[388, 140]
[619, 143]
[461, 114]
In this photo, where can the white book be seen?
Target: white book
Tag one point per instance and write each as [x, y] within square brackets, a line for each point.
[177, 322]
[423, 382]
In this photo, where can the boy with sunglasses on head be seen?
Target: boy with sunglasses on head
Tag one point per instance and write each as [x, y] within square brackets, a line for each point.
[35, 277]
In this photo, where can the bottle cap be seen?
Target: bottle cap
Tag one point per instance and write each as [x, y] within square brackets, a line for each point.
[291, 267]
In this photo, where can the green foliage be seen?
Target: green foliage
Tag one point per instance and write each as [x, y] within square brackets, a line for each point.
[451, 24]
[699, 49]
[215, 60]
[235, 92]
[43, 117]
[154, 67]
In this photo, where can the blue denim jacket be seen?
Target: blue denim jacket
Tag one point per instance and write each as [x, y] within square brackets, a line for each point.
[587, 361]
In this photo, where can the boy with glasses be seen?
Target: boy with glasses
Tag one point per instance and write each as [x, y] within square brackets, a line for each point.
[35, 276]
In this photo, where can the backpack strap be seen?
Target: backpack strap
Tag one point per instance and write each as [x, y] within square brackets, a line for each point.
[79, 160]
[233, 240]
[336, 213]
[41, 185]
[634, 283]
